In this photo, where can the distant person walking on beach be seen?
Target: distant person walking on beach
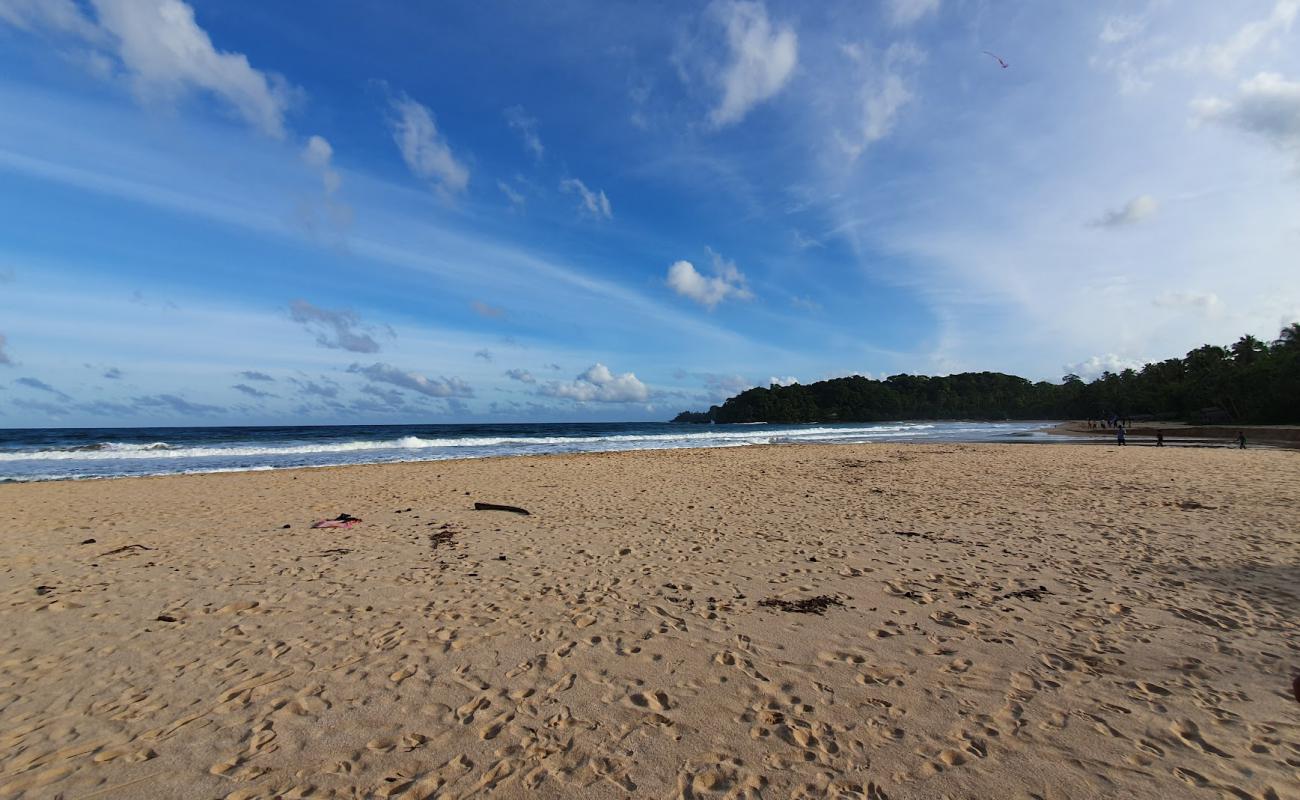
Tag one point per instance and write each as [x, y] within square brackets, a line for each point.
[1119, 436]
[1160, 438]
[1241, 440]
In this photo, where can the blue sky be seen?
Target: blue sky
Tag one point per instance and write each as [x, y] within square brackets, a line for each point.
[262, 213]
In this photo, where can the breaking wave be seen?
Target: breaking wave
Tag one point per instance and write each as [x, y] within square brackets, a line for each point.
[54, 454]
[159, 450]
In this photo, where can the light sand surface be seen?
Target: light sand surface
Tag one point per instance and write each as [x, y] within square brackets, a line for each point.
[612, 644]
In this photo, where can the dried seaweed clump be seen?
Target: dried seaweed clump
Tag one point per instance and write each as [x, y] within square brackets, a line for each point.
[810, 605]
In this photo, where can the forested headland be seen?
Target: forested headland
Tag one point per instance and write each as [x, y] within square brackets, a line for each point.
[1248, 382]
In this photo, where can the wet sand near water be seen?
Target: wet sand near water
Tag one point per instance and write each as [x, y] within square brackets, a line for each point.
[874, 621]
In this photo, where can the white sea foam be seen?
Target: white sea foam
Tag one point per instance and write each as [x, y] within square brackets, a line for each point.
[162, 450]
[257, 450]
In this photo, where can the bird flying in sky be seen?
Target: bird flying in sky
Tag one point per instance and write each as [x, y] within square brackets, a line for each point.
[998, 58]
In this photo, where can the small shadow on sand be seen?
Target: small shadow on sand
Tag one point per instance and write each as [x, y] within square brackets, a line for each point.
[1274, 584]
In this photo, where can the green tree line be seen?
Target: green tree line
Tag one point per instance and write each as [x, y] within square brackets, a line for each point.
[1250, 381]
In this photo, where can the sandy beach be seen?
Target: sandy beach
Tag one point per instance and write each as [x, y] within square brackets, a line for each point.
[995, 621]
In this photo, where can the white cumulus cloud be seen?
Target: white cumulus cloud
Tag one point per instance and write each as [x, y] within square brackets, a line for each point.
[599, 385]
[709, 290]
[161, 50]
[761, 60]
[424, 149]
[318, 154]
[1266, 105]
[1096, 365]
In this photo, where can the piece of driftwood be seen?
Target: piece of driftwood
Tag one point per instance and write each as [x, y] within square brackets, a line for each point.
[341, 521]
[495, 507]
[125, 548]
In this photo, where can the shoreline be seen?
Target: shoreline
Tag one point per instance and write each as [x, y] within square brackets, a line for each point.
[1179, 434]
[1056, 437]
[972, 608]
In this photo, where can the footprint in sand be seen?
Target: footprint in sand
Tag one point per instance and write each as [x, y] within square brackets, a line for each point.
[657, 700]
[406, 743]
[562, 685]
[847, 658]
[465, 714]
[126, 754]
[949, 619]
[1190, 735]
[402, 674]
[235, 608]
[494, 727]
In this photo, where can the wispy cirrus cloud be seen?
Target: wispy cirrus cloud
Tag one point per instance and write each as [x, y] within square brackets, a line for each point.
[1207, 303]
[1250, 37]
[485, 310]
[41, 386]
[175, 404]
[335, 329]
[1134, 211]
[323, 389]
[413, 381]
[526, 126]
[592, 202]
[516, 197]
[760, 60]
[885, 88]
[424, 148]
[908, 12]
[252, 391]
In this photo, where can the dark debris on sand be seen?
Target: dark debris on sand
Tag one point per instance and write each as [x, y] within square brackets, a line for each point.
[126, 549]
[810, 605]
[929, 537]
[1026, 594]
[443, 535]
[499, 507]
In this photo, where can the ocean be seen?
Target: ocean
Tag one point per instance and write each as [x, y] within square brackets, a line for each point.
[43, 454]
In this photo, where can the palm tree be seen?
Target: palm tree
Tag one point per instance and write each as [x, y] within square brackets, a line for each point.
[1289, 338]
[1247, 349]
